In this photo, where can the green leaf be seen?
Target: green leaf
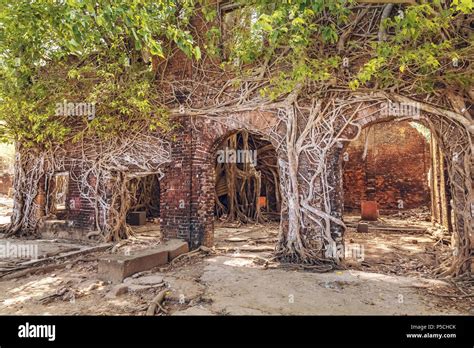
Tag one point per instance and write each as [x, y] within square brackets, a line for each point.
[156, 49]
[197, 52]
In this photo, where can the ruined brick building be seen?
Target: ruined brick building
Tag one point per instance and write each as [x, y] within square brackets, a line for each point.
[406, 166]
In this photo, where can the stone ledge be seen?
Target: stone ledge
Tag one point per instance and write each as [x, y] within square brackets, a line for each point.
[115, 268]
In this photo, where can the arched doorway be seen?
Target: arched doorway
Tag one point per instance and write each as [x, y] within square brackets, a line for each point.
[449, 179]
[392, 177]
[247, 190]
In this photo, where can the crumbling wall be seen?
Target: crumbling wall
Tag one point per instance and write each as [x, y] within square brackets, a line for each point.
[187, 190]
[394, 171]
[6, 183]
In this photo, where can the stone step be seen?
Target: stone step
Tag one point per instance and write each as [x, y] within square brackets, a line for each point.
[115, 268]
[61, 229]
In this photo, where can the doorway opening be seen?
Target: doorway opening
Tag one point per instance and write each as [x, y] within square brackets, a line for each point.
[247, 192]
[143, 215]
[394, 182]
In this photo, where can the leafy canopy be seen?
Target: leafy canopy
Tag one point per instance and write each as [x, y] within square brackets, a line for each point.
[88, 51]
[99, 51]
[428, 46]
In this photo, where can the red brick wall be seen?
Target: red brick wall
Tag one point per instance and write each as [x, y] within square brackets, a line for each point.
[396, 167]
[187, 189]
[175, 188]
[6, 183]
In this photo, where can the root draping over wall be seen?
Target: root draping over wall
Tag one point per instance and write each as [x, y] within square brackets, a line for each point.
[244, 165]
[306, 136]
[100, 169]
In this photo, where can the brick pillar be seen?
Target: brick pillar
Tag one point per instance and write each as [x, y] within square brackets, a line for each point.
[187, 190]
[202, 195]
[175, 189]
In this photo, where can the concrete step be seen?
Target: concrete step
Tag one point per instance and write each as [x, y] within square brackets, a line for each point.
[61, 229]
[115, 268]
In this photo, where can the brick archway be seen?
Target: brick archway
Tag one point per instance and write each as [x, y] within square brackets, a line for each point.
[187, 197]
[461, 194]
[187, 189]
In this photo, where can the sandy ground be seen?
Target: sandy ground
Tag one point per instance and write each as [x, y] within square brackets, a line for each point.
[225, 285]
[393, 279]
[237, 288]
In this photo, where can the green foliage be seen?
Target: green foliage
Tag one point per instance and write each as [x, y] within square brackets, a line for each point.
[291, 30]
[465, 6]
[85, 51]
[421, 44]
[423, 47]
[100, 51]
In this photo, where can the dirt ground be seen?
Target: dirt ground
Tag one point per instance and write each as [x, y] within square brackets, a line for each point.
[393, 276]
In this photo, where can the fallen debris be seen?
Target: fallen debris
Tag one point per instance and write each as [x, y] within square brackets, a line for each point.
[156, 303]
[189, 254]
[33, 266]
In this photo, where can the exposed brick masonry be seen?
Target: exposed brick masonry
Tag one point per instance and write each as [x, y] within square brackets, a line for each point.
[396, 167]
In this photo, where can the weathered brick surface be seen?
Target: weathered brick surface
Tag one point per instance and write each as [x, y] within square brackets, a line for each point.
[187, 190]
[396, 168]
